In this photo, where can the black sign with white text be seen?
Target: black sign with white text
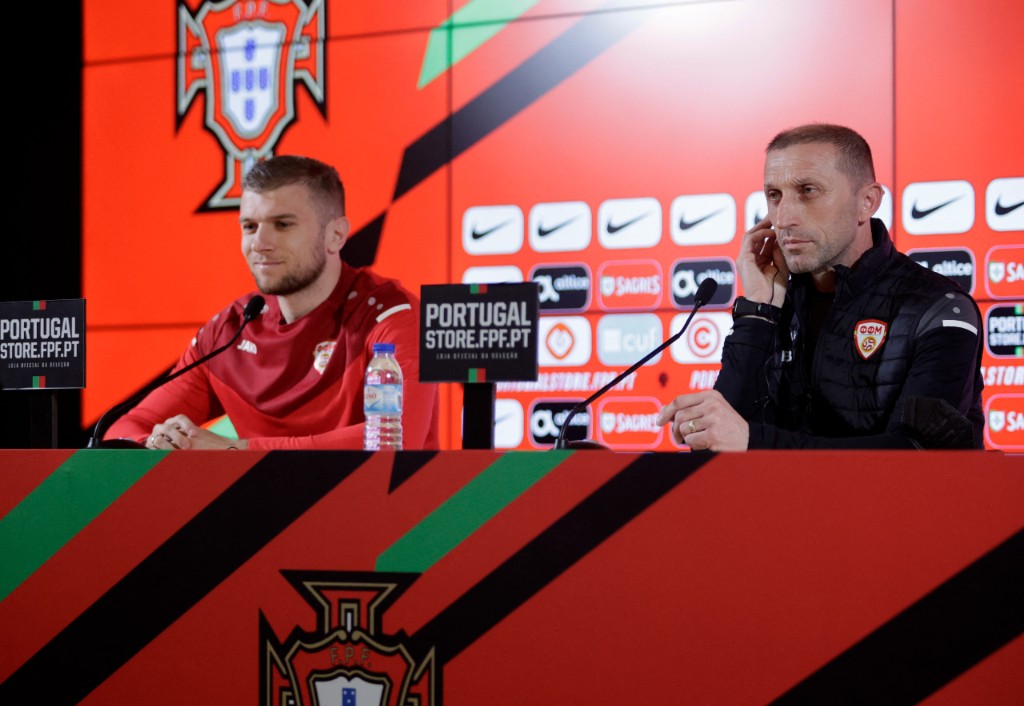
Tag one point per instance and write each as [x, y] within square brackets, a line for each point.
[955, 263]
[478, 332]
[688, 274]
[1004, 331]
[42, 344]
[547, 418]
[562, 288]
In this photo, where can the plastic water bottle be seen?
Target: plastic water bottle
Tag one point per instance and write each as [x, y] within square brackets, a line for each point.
[382, 401]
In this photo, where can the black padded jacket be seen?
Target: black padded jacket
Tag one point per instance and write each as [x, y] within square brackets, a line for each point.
[896, 364]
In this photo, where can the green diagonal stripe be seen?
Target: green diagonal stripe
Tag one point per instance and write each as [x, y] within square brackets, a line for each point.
[465, 31]
[65, 502]
[466, 511]
[224, 427]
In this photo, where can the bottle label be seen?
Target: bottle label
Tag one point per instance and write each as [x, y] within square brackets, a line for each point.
[382, 399]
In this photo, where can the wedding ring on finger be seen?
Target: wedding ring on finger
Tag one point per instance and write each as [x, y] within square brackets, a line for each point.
[691, 427]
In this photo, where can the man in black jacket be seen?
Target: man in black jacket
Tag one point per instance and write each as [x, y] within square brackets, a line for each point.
[840, 341]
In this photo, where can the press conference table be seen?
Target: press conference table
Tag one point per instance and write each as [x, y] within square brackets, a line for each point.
[479, 577]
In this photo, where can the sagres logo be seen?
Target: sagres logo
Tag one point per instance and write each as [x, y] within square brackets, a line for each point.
[629, 422]
[633, 284]
[248, 57]
[564, 340]
[347, 658]
[1005, 270]
[1004, 417]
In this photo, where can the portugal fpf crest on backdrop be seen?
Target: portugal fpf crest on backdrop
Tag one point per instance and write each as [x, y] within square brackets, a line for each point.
[248, 58]
[347, 658]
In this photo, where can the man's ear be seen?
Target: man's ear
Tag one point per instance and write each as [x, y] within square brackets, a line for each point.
[870, 199]
[337, 234]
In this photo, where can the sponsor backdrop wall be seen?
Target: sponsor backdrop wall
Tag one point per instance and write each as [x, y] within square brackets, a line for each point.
[609, 150]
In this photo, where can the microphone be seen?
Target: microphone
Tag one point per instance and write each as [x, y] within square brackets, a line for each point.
[251, 311]
[705, 291]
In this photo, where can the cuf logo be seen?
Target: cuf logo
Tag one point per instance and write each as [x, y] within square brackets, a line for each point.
[869, 335]
[247, 57]
[346, 659]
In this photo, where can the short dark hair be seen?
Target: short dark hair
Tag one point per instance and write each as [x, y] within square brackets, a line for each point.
[321, 179]
[854, 152]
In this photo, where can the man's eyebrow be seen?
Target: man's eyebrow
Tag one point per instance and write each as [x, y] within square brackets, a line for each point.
[794, 180]
[271, 217]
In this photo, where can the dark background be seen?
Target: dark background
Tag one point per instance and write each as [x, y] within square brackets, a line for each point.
[43, 245]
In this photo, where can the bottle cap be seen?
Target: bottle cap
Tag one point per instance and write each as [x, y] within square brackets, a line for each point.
[383, 348]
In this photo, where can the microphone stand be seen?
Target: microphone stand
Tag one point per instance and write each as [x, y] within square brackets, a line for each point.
[253, 308]
[699, 301]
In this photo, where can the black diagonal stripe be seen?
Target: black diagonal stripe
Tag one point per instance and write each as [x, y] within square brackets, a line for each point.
[360, 250]
[406, 465]
[516, 91]
[581, 43]
[932, 642]
[170, 581]
[603, 513]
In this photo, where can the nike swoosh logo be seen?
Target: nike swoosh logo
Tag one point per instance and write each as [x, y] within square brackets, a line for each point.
[686, 225]
[542, 231]
[616, 227]
[1002, 210]
[915, 212]
[477, 234]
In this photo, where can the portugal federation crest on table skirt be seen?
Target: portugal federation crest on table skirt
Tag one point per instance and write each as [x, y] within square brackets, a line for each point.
[348, 660]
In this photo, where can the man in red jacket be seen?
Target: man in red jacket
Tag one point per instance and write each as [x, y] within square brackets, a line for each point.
[295, 379]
